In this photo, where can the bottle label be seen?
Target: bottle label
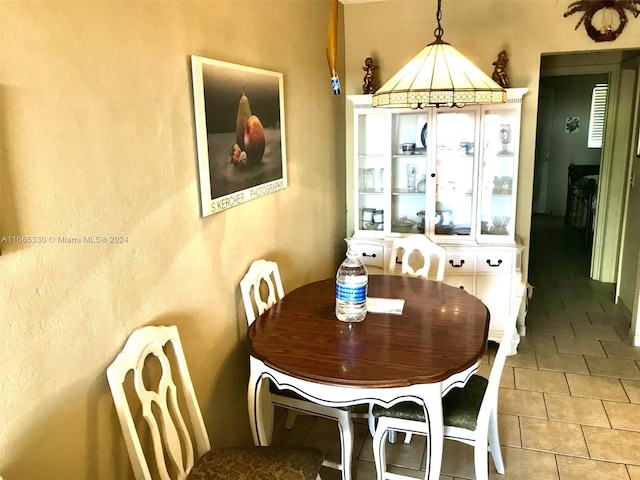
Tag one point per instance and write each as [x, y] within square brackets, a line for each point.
[351, 293]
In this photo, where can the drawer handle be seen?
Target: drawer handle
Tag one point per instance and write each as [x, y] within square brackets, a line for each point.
[494, 264]
[373, 255]
[456, 266]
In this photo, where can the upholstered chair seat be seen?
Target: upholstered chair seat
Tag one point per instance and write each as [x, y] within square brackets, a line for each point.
[258, 463]
[460, 407]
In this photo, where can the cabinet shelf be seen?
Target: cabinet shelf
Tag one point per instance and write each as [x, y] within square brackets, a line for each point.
[404, 191]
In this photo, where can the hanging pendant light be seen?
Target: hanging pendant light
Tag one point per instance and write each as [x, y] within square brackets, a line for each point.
[438, 76]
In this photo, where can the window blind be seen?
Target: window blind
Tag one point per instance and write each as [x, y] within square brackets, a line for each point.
[598, 113]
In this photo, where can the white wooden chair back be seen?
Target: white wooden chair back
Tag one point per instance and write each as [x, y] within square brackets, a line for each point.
[428, 250]
[261, 288]
[174, 448]
[262, 274]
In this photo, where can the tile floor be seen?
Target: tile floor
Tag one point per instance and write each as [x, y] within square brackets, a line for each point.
[569, 406]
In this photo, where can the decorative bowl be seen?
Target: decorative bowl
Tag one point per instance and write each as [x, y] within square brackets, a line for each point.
[402, 225]
[407, 147]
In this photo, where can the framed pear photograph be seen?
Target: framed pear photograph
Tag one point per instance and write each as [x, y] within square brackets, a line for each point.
[240, 134]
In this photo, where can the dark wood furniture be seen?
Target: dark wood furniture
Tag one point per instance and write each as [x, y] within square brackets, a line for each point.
[582, 191]
[434, 345]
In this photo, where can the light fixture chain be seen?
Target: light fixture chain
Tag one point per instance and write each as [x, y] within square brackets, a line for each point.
[438, 32]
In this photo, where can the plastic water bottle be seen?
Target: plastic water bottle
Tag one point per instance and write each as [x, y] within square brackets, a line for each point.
[351, 289]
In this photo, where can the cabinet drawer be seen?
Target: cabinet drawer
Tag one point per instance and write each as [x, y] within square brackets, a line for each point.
[458, 263]
[369, 254]
[494, 261]
[461, 281]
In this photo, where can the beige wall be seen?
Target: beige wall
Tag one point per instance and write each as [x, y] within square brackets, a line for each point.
[396, 30]
[97, 138]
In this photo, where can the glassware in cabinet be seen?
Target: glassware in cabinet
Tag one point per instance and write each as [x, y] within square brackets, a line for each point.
[409, 164]
[372, 148]
[447, 173]
[455, 173]
[498, 174]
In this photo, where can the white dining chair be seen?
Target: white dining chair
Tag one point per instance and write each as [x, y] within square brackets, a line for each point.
[261, 288]
[427, 251]
[416, 254]
[163, 427]
[470, 413]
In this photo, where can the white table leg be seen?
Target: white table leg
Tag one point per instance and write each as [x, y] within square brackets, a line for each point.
[260, 406]
[432, 397]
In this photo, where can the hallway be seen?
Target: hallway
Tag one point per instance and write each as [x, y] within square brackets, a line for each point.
[558, 257]
[569, 406]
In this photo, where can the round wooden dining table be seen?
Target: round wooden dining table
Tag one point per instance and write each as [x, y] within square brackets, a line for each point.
[433, 345]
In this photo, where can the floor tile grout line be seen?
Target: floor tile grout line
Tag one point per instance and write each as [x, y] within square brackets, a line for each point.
[586, 442]
[606, 412]
[555, 457]
[566, 381]
[587, 364]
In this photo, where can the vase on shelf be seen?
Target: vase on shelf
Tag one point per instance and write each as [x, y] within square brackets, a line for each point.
[505, 138]
[412, 171]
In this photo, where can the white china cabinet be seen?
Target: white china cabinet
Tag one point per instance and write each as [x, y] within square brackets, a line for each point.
[448, 173]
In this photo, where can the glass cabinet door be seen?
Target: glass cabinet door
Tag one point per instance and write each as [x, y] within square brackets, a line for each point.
[498, 174]
[409, 172]
[455, 171]
[448, 173]
[372, 148]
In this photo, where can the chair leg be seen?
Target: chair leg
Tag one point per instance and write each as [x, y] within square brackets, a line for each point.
[371, 421]
[345, 424]
[481, 454]
[379, 454]
[393, 435]
[494, 443]
[480, 460]
[291, 418]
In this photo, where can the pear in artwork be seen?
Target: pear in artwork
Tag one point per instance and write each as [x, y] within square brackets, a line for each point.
[244, 112]
[250, 140]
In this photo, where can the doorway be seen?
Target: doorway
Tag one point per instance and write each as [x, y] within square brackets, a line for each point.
[567, 168]
[566, 85]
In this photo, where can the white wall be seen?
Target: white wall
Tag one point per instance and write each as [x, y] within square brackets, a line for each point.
[629, 265]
